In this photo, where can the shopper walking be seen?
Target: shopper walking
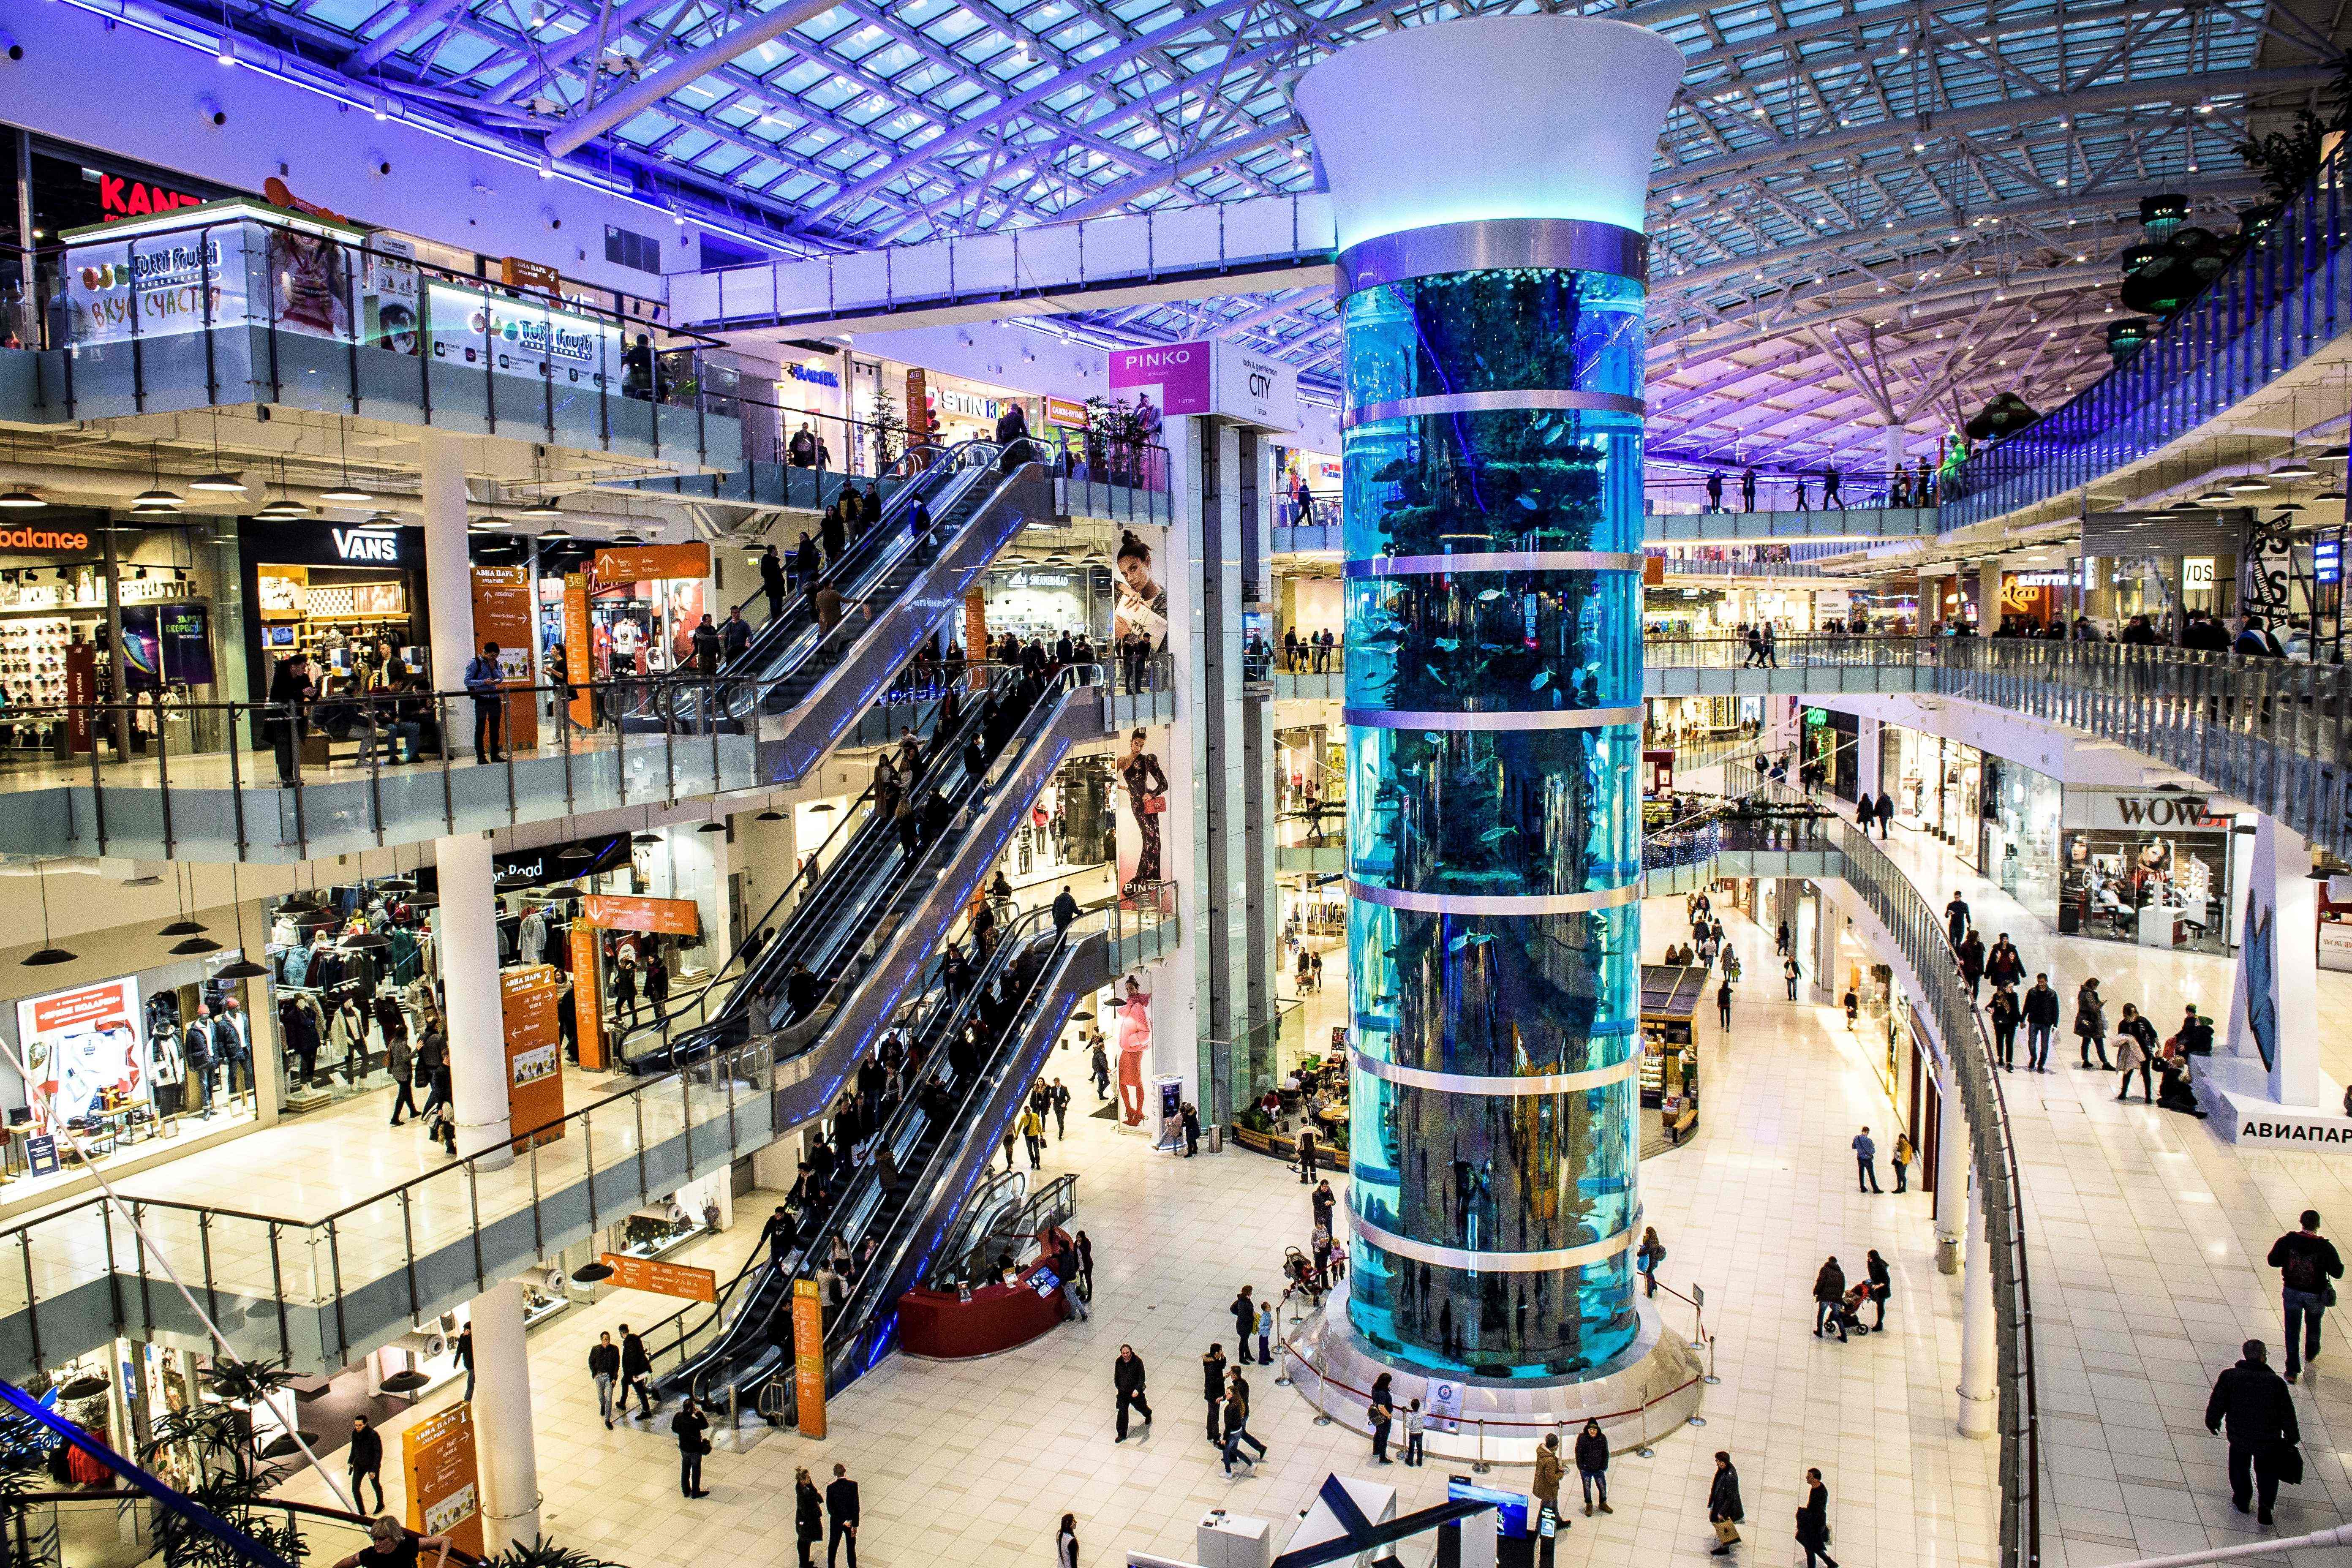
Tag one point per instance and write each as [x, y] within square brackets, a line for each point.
[1789, 973]
[2306, 1261]
[1814, 1522]
[2091, 1023]
[1592, 1467]
[841, 1505]
[1865, 1158]
[635, 1368]
[2003, 1013]
[1885, 814]
[689, 1425]
[2263, 1431]
[1723, 1509]
[1723, 1003]
[466, 1358]
[808, 1513]
[1127, 1380]
[604, 1367]
[1646, 1257]
[1237, 1432]
[1829, 1291]
[1956, 919]
[1548, 1473]
[366, 1460]
[1213, 1386]
[2041, 1024]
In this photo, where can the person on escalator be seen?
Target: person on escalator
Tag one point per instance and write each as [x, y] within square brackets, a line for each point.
[779, 1234]
[975, 761]
[771, 581]
[910, 755]
[919, 520]
[1065, 910]
[802, 991]
[937, 815]
[736, 635]
[657, 981]
[836, 530]
[907, 823]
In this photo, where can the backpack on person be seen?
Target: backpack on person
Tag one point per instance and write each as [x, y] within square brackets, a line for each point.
[2302, 1271]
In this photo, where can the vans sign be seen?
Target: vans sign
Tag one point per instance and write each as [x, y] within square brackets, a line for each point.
[367, 544]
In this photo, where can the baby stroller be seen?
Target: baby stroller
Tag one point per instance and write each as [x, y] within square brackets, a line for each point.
[1299, 1271]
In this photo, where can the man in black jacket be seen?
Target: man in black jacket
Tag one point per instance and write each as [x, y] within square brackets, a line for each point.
[2041, 1023]
[1723, 1504]
[841, 1503]
[636, 1367]
[292, 688]
[1127, 1378]
[2253, 1400]
[689, 1425]
[1212, 1386]
[366, 1459]
[2306, 1261]
[604, 1366]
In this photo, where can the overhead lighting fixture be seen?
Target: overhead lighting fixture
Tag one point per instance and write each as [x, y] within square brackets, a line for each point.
[2247, 485]
[47, 953]
[225, 483]
[769, 816]
[2330, 494]
[2338, 454]
[194, 945]
[557, 533]
[2184, 506]
[2294, 469]
[543, 509]
[2215, 497]
[20, 500]
[243, 969]
[158, 499]
[629, 539]
[346, 494]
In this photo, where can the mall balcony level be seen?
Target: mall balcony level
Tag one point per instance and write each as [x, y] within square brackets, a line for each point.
[1858, 524]
[239, 304]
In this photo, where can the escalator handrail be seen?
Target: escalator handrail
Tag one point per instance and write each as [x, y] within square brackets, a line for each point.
[837, 1213]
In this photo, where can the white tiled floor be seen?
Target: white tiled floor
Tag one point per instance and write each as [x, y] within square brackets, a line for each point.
[975, 1462]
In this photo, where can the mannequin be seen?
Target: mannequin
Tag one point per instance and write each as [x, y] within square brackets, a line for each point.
[171, 1071]
[1134, 1045]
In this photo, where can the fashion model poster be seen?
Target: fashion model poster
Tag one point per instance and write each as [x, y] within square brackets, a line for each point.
[78, 1044]
[1140, 816]
[1134, 1009]
[1139, 588]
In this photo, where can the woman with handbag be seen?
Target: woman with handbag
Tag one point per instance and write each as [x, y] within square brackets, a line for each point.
[1814, 1522]
[2091, 1023]
[1723, 1509]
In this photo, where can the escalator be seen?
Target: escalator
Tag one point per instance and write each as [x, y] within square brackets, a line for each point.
[864, 930]
[797, 687]
[914, 1180]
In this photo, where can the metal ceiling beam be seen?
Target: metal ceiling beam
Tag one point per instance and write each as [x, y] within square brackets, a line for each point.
[585, 127]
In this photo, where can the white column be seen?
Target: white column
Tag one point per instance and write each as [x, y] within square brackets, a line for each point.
[1827, 980]
[1867, 733]
[1178, 985]
[467, 922]
[448, 570]
[2277, 990]
[505, 1451]
[1988, 597]
[1979, 1398]
[1951, 1173]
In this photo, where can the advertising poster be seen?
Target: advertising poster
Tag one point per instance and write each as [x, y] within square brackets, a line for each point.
[534, 1053]
[1138, 595]
[1168, 378]
[521, 337]
[808, 1356]
[445, 1490]
[1141, 817]
[661, 1279]
[310, 283]
[1134, 1011]
[167, 643]
[502, 615]
[390, 294]
[82, 1046]
[587, 998]
[155, 286]
[620, 911]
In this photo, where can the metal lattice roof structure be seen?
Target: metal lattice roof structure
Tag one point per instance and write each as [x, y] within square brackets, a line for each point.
[1865, 213]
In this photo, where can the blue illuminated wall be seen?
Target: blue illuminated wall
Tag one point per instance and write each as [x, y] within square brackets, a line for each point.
[1493, 512]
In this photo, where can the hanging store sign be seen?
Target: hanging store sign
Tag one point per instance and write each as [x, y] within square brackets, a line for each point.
[1066, 414]
[665, 917]
[649, 564]
[1214, 377]
[529, 997]
[810, 374]
[661, 1279]
[2196, 571]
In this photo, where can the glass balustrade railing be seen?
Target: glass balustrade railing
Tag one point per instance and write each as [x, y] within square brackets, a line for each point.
[2285, 296]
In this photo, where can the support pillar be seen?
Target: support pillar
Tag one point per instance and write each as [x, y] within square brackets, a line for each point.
[1979, 1396]
[506, 1453]
[2277, 989]
[1988, 597]
[466, 920]
[1825, 978]
[1951, 1171]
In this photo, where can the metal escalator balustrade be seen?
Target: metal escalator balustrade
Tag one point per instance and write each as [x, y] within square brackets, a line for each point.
[752, 1348]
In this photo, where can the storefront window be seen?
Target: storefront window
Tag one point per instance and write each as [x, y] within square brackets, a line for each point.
[1936, 785]
[2150, 868]
[2020, 848]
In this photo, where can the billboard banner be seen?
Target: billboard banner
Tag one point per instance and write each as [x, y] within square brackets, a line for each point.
[521, 337]
[83, 1047]
[153, 285]
[445, 1490]
[1210, 377]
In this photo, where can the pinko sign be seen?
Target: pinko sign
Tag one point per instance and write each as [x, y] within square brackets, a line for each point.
[1174, 378]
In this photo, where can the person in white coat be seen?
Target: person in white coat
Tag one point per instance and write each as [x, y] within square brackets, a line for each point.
[171, 1070]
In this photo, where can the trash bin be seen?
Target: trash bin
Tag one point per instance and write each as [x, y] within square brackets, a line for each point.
[1216, 1132]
